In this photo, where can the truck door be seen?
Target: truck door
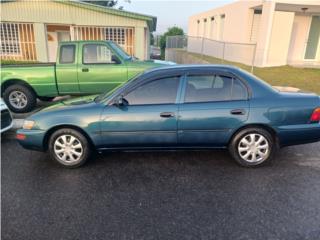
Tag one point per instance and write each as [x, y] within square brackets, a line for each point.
[99, 69]
[66, 69]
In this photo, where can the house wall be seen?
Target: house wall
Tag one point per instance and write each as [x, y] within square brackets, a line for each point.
[280, 37]
[300, 34]
[237, 25]
[49, 12]
[277, 54]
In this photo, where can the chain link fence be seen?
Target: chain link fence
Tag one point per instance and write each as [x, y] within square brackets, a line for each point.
[222, 51]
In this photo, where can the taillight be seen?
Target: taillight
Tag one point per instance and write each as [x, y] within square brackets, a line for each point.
[315, 117]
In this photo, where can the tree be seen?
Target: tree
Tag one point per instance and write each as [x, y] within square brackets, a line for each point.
[172, 31]
[151, 39]
[105, 3]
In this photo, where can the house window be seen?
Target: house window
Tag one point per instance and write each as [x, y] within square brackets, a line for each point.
[122, 36]
[10, 44]
[223, 16]
[17, 42]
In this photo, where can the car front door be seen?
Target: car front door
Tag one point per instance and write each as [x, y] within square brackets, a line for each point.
[148, 119]
[99, 69]
[212, 106]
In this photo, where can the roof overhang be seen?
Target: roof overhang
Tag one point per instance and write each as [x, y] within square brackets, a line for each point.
[151, 20]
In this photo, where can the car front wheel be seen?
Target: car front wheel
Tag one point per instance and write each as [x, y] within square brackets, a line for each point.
[69, 148]
[253, 147]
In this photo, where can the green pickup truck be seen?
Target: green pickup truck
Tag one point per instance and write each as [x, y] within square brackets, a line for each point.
[82, 68]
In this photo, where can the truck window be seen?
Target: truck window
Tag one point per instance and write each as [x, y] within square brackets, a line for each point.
[98, 53]
[67, 54]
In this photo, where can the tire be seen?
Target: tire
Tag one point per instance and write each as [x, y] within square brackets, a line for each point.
[20, 98]
[46, 99]
[253, 147]
[61, 151]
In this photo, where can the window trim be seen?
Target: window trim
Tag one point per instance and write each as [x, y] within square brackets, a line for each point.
[103, 44]
[180, 82]
[226, 74]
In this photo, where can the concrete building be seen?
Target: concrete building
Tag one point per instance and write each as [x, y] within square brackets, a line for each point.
[285, 32]
[31, 30]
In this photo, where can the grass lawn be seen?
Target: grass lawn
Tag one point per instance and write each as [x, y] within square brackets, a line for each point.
[306, 79]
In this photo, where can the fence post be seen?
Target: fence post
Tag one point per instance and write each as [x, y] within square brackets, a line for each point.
[223, 49]
[202, 46]
[254, 57]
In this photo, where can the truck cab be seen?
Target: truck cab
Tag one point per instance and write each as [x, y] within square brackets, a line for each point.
[81, 68]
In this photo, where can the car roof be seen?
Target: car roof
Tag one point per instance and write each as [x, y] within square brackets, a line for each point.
[171, 69]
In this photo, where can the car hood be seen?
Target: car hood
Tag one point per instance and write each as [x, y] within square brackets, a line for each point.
[73, 103]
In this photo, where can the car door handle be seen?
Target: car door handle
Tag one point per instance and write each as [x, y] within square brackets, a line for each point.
[238, 112]
[167, 114]
[85, 69]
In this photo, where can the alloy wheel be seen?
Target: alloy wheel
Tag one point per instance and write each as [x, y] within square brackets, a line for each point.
[68, 149]
[254, 148]
[18, 99]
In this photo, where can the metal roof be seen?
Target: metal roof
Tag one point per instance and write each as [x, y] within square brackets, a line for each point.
[151, 20]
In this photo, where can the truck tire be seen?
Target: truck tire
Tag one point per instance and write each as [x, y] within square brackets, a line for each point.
[20, 98]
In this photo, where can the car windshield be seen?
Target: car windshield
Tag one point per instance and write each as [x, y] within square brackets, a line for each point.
[120, 51]
[118, 89]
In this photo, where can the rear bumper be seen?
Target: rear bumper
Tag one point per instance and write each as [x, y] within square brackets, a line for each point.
[33, 139]
[298, 134]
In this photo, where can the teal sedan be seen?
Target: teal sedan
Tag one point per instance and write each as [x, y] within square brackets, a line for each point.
[178, 107]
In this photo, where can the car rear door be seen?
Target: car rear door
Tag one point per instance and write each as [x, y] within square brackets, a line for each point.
[99, 68]
[212, 106]
[148, 120]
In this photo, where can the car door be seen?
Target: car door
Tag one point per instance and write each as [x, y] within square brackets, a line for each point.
[148, 119]
[66, 69]
[212, 106]
[99, 69]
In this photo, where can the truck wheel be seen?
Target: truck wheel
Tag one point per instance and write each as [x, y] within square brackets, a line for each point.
[69, 148]
[46, 99]
[19, 98]
[253, 147]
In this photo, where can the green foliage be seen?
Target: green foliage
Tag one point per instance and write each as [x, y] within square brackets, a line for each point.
[173, 31]
[105, 3]
[151, 39]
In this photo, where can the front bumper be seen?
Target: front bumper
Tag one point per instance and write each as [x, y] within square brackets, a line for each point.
[33, 139]
[299, 134]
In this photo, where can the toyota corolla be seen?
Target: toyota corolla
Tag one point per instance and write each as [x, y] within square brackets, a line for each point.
[179, 107]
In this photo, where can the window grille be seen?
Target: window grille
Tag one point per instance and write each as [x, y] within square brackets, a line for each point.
[120, 35]
[17, 42]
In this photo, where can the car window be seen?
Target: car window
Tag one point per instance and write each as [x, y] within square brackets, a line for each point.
[67, 54]
[160, 91]
[208, 88]
[212, 88]
[98, 53]
[239, 90]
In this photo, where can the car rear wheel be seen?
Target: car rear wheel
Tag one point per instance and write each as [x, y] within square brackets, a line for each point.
[253, 147]
[19, 98]
[69, 148]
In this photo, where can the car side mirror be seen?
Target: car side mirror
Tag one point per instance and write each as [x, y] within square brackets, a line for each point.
[115, 59]
[121, 101]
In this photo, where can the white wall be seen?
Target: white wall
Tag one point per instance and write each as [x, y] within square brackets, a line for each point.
[300, 32]
[277, 54]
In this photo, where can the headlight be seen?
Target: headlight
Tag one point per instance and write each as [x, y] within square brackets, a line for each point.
[28, 124]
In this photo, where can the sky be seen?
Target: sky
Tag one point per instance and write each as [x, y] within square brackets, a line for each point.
[171, 13]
